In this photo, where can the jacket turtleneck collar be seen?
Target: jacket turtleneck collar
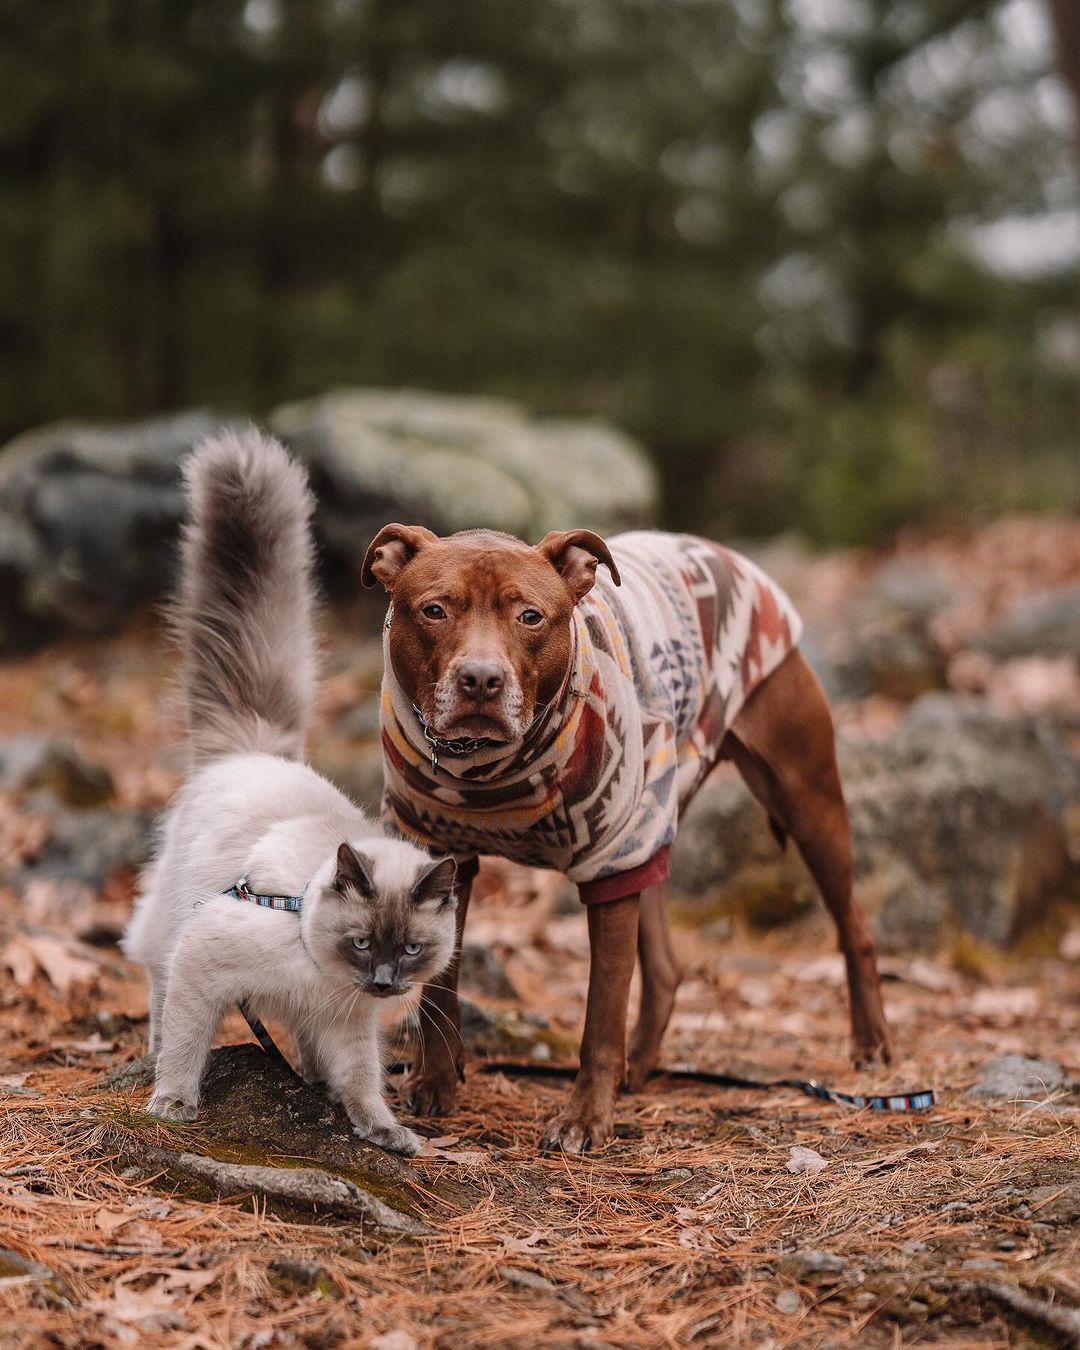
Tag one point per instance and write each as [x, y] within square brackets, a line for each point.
[498, 759]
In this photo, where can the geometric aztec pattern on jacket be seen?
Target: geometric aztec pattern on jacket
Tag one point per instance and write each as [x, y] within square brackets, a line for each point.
[660, 668]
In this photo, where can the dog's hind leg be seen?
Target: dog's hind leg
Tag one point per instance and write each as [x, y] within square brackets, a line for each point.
[782, 743]
[660, 976]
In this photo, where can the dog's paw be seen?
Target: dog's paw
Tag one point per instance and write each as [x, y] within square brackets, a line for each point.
[167, 1106]
[871, 1043]
[578, 1129]
[430, 1094]
[872, 1054]
[393, 1138]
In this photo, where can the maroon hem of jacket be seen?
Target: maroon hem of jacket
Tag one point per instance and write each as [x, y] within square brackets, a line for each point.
[606, 889]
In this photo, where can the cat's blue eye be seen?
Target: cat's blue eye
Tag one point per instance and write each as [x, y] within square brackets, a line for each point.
[361, 944]
[412, 949]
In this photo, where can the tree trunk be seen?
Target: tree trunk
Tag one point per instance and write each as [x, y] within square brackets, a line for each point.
[1067, 26]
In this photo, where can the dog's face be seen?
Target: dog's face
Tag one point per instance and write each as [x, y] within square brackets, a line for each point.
[481, 632]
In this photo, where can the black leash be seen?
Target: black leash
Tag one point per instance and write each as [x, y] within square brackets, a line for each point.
[921, 1100]
[267, 1041]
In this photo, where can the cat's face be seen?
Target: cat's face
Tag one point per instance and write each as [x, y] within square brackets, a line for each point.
[385, 917]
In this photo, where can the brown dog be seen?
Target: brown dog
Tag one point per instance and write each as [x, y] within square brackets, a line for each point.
[533, 710]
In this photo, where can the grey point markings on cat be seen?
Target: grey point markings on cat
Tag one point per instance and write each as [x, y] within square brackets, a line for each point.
[378, 913]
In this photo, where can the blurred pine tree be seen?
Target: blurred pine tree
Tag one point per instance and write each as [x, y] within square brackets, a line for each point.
[782, 240]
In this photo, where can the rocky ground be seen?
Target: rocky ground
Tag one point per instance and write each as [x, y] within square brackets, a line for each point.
[717, 1217]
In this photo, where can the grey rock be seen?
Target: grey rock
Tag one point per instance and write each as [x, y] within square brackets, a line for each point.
[90, 846]
[812, 1265]
[526, 1279]
[1044, 624]
[890, 647]
[32, 763]
[297, 1277]
[1056, 1204]
[451, 463]
[498, 1032]
[957, 832]
[89, 515]
[481, 972]
[787, 1301]
[1016, 1077]
[88, 519]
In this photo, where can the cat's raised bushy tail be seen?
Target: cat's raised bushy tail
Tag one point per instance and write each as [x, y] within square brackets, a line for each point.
[243, 616]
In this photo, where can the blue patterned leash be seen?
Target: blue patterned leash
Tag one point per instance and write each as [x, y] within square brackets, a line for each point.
[242, 891]
[922, 1100]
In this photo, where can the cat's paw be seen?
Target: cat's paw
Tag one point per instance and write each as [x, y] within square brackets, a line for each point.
[167, 1106]
[394, 1138]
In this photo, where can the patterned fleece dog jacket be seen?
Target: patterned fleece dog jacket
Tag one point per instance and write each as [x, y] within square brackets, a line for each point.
[660, 668]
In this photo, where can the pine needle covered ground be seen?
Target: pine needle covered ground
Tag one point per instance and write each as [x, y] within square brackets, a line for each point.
[956, 1226]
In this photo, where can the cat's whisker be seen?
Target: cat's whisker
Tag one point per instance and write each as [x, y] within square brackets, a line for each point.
[442, 1036]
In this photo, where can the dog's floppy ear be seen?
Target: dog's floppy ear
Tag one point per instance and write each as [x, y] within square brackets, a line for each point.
[574, 554]
[390, 550]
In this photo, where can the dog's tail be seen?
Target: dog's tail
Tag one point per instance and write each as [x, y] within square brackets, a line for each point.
[243, 616]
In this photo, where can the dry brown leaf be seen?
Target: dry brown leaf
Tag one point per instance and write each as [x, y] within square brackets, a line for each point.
[109, 1220]
[21, 962]
[28, 952]
[805, 1160]
[92, 1045]
[875, 1165]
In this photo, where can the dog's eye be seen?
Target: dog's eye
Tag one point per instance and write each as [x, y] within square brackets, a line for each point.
[530, 617]
[433, 612]
[412, 949]
[361, 944]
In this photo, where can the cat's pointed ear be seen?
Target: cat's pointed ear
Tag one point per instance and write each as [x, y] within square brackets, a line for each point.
[436, 882]
[353, 872]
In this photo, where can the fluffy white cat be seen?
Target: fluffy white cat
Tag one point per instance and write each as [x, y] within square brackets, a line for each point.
[377, 914]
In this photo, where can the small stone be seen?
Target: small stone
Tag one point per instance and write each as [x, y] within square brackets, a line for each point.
[954, 1206]
[482, 972]
[983, 1263]
[393, 1340]
[526, 1279]
[297, 1277]
[811, 1264]
[1016, 1076]
[787, 1301]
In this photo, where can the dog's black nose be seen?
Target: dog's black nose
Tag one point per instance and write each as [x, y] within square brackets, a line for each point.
[480, 680]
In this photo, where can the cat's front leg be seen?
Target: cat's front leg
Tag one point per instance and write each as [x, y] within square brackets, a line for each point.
[311, 1066]
[355, 1077]
[194, 1003]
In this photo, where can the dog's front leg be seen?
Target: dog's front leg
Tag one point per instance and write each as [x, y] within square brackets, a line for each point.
[431, 1087]
[586, 1121]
